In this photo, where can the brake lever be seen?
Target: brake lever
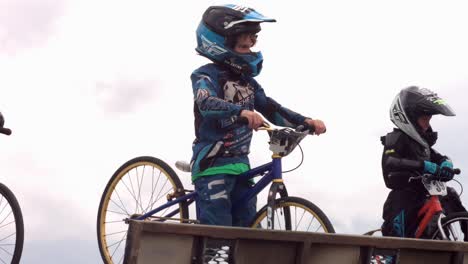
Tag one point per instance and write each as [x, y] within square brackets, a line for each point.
[415, 178]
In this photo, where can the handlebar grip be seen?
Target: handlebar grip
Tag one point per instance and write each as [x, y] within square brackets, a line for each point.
[456, 171]
[5, 131]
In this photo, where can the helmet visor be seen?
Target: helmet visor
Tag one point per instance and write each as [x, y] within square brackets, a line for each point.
[443, 108]
[250, 15]
[422, 101]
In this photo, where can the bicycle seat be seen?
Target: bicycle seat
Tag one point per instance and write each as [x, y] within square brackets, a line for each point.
[183, 166]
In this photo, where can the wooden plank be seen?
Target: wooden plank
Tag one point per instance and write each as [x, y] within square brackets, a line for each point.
[150, 242]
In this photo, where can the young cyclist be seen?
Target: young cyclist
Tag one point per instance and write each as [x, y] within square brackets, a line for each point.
[224, 90]
[407, 153]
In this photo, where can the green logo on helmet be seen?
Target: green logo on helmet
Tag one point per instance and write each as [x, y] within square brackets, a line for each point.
[439, 102]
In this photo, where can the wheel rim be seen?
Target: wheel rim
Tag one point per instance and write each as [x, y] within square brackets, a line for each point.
[137, 189]
[8, 228]
[453, 229]
[302, 219]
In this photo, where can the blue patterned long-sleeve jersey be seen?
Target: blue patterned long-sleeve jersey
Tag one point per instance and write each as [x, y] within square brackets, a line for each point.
[219, 95]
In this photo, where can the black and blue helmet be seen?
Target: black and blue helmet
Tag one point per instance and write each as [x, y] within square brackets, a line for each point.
[218, 30]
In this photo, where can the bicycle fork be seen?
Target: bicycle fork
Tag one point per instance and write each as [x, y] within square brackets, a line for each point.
[439, 225]
[276, 187]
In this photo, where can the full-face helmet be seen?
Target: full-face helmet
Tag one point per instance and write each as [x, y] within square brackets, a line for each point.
[218, 30]
[411, 103]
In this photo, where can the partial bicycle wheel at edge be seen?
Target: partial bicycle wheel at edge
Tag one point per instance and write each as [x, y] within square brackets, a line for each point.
[11, 227]
[455, 226]
[137, 187]
[295, 214]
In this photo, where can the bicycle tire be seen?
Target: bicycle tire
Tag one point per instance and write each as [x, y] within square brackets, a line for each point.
[454, 221]
[11, 200]
[111, 230]
[283, 219]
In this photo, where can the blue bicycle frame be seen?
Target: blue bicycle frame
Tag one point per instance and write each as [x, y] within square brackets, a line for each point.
[271, 173]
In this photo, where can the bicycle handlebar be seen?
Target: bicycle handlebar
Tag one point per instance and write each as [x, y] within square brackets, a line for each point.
[301, 128]
[432, 177]
[5, 131]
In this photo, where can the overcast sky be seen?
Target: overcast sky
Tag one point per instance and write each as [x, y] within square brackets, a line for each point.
[87, 85]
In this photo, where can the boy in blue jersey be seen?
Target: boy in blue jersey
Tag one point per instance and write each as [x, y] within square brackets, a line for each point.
[223, 90]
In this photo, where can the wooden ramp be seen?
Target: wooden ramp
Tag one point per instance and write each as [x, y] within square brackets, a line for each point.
[165, 243]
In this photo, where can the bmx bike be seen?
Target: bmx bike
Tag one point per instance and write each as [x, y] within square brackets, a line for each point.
[146, 188]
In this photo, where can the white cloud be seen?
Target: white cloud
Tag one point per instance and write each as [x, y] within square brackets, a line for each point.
[27, 23]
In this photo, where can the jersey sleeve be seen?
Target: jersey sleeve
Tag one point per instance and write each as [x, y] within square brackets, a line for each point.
[396, 168]
[275, 112]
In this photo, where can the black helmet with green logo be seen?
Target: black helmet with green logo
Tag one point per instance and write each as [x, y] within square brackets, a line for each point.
[413, 102]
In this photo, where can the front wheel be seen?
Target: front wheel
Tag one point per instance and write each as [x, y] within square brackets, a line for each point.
[11, 227]
[455, 227]
[295, 214]
[137, 187]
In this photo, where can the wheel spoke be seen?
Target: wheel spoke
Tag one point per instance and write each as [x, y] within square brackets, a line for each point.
[122, 203]
[159, 197]
[115, 233]
[9, 223]
[6, 251]
[131, 185]
[114, 221]
[3, 261]
[310, 224]
[302, 216]
[123, 210]
[278, 218]
[118, 244]
[295, 219]
[139, 182]
[6, 204]
[7, 237]
[119, 213]
[153, 186]
[153, 189]
[128, 189]
[318, 227]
